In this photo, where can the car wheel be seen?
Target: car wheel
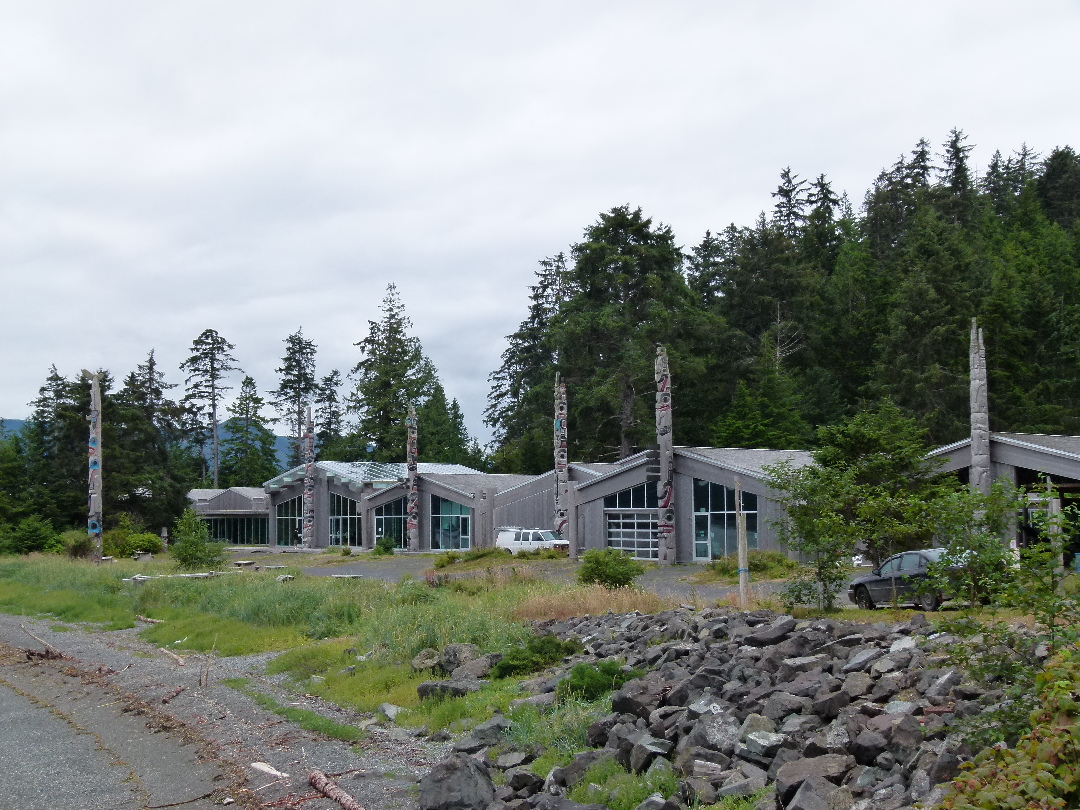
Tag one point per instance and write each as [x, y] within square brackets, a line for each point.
[930, 602]
[863, 600]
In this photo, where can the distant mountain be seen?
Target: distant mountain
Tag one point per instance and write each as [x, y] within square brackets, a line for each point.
[11, 425]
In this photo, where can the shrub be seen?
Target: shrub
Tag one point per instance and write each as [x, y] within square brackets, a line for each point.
[1043, 770]
[588, 682]
[28, 535]
[609, 784]
[77, 544]
[193, 548]
[609, 567]
[539, 652]
[128, 538]
[384, 546]
[346, 551]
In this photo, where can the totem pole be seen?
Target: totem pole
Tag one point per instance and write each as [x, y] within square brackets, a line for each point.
[93, 518]
[562, 478]
[412, 514]
[979, 476]
[307, 450]
[665, 487]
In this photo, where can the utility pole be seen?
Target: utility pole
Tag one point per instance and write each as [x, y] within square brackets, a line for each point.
[740, 534]
[93, 517]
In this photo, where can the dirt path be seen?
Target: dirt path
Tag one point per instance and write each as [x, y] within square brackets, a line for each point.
[91, 730]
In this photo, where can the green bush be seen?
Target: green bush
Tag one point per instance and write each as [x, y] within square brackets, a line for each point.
[539, 652]
[384, 546]
[193, 548]
[609, 567]
[588, 682]
[127, 538]
[28, 535]
[77, 544]
[1043, 769]
[762, 563]
[609, 784]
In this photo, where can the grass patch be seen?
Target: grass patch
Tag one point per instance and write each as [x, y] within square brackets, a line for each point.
[609, 784]
[763, 565]
[301, 717]
[550, 601]
[185, 630]
[459, 714]
[558, 732]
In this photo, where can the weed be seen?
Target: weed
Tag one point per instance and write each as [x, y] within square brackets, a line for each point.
[549, 601]
[588, 682]
[609, 567]
[384, 547]
[539, 652]
[559, 732]
[456, 714]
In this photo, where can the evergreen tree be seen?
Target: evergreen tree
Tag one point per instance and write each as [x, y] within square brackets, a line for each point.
[248, 456]
[956, 186]
[329, 412]
[791, 201]
[297, 388]
[1059, 187]
[208, 366]
[627, 294]
[519, 407]
[392, 373]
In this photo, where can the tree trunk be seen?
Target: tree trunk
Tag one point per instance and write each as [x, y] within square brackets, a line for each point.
[626, 419]
[325, 785]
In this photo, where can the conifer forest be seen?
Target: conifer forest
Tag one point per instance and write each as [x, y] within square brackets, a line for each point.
[822, 307]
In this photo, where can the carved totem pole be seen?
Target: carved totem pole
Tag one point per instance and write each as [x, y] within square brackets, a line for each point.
[412, 512]
[665, 487]
[562, 467]
[979, 477]
[93, 517]
[307, 451]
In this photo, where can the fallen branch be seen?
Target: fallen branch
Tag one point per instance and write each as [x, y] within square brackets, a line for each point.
[172, 655]
[53, 652]
[173, 694]
[148, 621]
[322, 783]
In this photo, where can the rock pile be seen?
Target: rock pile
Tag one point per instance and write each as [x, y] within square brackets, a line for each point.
[829, 715]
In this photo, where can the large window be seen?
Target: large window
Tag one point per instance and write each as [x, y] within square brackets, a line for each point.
[290, 521]
[631, 521]
[344, 521]
[450, 527]
[715, 528]
[241, 531]
[390, 522]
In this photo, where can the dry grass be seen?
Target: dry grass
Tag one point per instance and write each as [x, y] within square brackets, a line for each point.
[588, 600]
[759, 600]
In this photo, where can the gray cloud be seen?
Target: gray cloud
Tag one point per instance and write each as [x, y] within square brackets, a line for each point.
[258, 166]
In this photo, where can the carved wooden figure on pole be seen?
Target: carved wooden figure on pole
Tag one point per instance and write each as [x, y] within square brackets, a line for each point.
[665, 487]
[562, 467]
[412, 512]
[94, 482]
[979, 477]
[307, 448]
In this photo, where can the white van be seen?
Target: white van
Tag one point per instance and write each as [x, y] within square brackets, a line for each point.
[515, 539]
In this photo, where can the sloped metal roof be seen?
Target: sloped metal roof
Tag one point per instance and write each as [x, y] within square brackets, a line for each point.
[362, 472]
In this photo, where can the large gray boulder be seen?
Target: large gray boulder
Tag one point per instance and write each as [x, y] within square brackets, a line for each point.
[459, 782]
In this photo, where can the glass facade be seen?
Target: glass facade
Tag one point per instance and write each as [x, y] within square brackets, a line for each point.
[344, 521]
[631, 522]
[290, 521]
[390, 522]
[715, 529]
[450, 524]
[241, 531]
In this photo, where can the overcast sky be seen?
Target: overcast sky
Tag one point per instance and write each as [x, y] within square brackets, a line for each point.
[255, 167]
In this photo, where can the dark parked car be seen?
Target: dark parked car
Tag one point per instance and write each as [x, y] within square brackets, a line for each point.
[897, 581]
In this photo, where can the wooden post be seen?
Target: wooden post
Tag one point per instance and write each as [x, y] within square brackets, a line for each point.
[308, 450]
[93, 516]
[744, 569]
[665, 487]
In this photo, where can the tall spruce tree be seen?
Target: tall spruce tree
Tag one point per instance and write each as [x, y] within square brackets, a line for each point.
[297, 388]
[392, 373]
[329, 413]
[208, 368]
[248, 456]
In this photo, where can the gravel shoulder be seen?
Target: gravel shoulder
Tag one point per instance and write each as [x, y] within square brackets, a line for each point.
[93, 730]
